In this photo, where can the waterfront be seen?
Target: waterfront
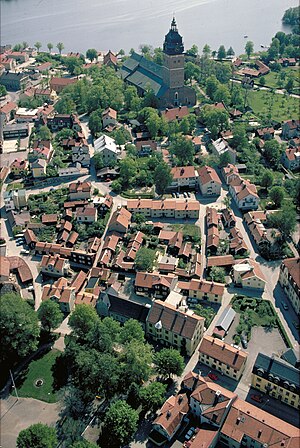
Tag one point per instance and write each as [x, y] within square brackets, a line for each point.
[116, 24]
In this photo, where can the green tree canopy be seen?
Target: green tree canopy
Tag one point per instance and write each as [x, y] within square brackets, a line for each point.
[285, 220]
[121, 421]
[83, 444]
[153, 395]
[267, 179]
[37, 436]
[217, 274]
[272, 151]
[50, 315]
[60, 46]
[91, 54]
[19, 328]
[144, 259]
[95, 121]
[249, 48]
[132, 331]
[183, 149]
[221, 52]
[169, 362]
[162, 177]
[277, 195]
[82, 320]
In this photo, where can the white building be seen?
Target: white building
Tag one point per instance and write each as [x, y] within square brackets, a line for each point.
[107, 147]
[247, 274]
[221, 146]
[15, 199]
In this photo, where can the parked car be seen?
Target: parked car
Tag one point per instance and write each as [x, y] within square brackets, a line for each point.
[213, 377]
[284, 305]
[244, 341]
[24, 252]
[189, 194]
[296, 325]
[189, 433]
[174, 195]
[177, 194]
[256, 398]
[30, 288]
[19, 243]
[185, 194]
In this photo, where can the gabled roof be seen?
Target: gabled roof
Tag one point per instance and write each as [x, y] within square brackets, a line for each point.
[223, 352]
[175, 113]
[293, 267]
[208, 174]
[171, 414]
[184, 172]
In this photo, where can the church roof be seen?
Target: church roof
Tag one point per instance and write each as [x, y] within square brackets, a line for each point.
[173, 41]
[143, 73]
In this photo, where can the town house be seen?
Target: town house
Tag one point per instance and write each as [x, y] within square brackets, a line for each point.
[209, 181]
[55, 266]
[184, 178]
[197, 290]
[154, 284]
[289, 279]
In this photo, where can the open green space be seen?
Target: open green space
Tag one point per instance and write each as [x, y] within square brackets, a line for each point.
[290, 72]
[15, 186]
[188, 230]
[42, 369]
[275, 106]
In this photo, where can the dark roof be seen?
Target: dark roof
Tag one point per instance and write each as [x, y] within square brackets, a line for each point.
[292, 357]
[13, 76]
[127, 308]
[277, 367]
[173, 41]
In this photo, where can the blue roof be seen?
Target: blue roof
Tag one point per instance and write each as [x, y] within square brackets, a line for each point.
[278, 367]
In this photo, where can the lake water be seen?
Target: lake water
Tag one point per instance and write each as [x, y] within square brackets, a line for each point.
[115, 24]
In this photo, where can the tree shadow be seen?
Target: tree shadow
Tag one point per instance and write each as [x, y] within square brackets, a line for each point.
[60, 372]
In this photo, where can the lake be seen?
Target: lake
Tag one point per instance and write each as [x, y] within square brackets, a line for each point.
[116, 24]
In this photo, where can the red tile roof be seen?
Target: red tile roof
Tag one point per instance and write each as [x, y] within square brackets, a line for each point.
[175, 113]
[223, 352]
[183, 172]
[293, 267]
[208, 174]
[171, 414]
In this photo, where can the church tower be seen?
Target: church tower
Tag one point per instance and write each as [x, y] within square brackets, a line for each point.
[173, 61]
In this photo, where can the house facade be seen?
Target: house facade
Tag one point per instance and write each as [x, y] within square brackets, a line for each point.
[166, 208]
[276, 378]
[289, 279]
[209, 181]
[175, 327]
[197, 290]
[55, 266]
[223, 357]
[184, 178]
[108, 149]
[248, 275]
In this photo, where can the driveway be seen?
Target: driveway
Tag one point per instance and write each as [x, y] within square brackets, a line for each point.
[19, 414]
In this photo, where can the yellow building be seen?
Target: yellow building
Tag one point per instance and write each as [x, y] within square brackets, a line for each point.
[289, 279]
[39, 168]
[202, 290]
[174, 326]
[276, 378]
[222, 357]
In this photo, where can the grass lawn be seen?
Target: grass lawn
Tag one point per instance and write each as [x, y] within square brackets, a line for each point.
[15, 186]
[272, 77]
[280, 107]
[187, 230]
[40, 369]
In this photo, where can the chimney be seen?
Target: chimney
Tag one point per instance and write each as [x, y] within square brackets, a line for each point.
[238, 421]
[180, 398]
[168, 415]
[223, 346]
[259, 434]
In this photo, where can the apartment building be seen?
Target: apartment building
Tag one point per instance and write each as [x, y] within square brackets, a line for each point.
[289, 279]
[55, 266]
[248, 275]
[154, 284]
[222, 357]
[277, 378]
[202, 290]
[184, 178]
[209, 181]
[175, 326]
[166, 208]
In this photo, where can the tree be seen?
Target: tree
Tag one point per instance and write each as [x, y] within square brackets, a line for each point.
[191, 71]
[230, 52]
[211, 86]
[193, 51]
[272, 152]
[38, 45]
[3, 91]
[136, 360]
[91, 54]
[131, 99]
[249, 47]
[50, 47]
[132, 330]
[72, 63]
[222, 94]
[169, 362]
[24, 45]
[121, 421]
[221, 52]
[144, 259]
[128, 171]
[267, 179]
[153, 395]
[82, 320]
[98, 161]
[17, 47]
[262, 81]
[183, 149]
[95, 122]
[285, 220]
[289, 85]
[37, 436]
[50, 315]
[217, 274]
[158, 56]
[207, 312]
[162, 177]
[206, 51]
[44, 133]
[60, 46]
[215, 117]
[19, 328]
[277, 195]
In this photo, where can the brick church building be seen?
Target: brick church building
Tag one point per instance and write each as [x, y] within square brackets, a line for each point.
[167, 80]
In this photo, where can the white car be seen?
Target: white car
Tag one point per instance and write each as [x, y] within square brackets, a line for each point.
[24, 252]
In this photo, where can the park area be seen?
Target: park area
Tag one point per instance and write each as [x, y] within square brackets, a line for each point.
[279, 107]
[37, 381]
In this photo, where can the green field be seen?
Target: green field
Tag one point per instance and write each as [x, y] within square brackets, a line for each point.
[188, 230]
[41, 368]
[274, 106]
[272, 78]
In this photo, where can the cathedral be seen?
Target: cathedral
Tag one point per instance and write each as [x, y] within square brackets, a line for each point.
[167, 80]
